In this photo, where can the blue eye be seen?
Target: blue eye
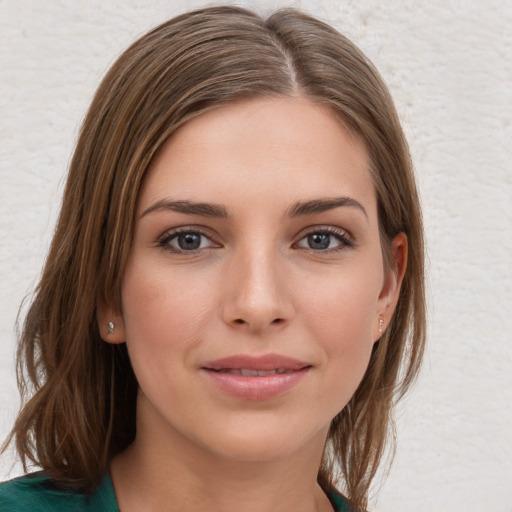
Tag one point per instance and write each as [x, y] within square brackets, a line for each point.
[185, 241]
[319, 241]
[188, 241]
[325, 240]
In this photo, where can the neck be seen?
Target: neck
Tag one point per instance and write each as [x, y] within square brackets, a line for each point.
[176, 474]
[227, 488]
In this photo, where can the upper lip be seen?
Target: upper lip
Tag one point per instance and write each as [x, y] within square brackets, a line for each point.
[267, 362]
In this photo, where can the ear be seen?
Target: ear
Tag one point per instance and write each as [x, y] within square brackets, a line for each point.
[110, 323]
[390, 292]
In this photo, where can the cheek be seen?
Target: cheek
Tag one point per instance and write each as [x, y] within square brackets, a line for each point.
[158, 303]
[341, 316]
[346, 305]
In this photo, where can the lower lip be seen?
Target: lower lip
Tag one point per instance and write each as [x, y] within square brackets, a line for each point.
[261, 387]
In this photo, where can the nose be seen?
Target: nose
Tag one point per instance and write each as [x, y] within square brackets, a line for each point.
[256, 297]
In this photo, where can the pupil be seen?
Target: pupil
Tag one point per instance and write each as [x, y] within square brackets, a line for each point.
[189, 241]
[319, 241]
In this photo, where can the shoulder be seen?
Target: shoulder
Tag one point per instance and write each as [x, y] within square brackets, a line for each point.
[338, 501]
[24, 493]
[36, 493]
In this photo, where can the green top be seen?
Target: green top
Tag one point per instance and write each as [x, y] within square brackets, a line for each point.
[36, 493]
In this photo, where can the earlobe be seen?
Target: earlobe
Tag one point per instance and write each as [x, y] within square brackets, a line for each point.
[110, 324]
[390, 292]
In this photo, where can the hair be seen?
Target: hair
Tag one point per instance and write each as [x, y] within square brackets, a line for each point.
[79, 393]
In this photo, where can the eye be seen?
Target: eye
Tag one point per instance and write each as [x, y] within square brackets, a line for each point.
[326, 239]
[185, 240]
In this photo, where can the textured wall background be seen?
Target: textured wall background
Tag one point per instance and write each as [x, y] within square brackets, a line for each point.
[449, 66]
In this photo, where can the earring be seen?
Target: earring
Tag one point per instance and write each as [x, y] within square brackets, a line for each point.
[381, 325]
[110, 328]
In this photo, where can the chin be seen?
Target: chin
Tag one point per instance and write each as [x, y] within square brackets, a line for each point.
[254, 451]
[265, 443]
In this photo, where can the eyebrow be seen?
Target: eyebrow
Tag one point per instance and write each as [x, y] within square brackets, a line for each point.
[323, 205]
[188, 207]
[299, 209]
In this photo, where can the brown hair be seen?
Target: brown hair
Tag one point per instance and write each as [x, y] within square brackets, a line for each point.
[79, 392]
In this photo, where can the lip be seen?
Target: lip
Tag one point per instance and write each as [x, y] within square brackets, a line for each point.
[226, 374]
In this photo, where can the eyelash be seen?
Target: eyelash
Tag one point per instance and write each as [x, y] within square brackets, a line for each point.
[342, 236]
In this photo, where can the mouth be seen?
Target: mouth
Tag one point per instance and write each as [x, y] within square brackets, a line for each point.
[256, 378]
[252, 373]
[253, 366]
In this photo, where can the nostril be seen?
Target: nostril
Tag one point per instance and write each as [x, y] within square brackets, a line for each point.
[277, 321]
[239, 321]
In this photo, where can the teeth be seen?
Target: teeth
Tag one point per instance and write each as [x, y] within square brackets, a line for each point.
[255, 373]
[271, 372]
[249, 373]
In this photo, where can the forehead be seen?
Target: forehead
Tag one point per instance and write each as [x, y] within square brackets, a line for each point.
[256, 149]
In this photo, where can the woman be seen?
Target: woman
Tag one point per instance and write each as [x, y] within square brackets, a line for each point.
[233, 298]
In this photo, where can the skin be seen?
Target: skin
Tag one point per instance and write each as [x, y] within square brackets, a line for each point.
[258, 283]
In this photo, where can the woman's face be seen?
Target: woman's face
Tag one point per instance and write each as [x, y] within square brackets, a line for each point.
[253, 291]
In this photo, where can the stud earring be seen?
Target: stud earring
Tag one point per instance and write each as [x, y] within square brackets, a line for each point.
[381, 325]
[110, 328]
